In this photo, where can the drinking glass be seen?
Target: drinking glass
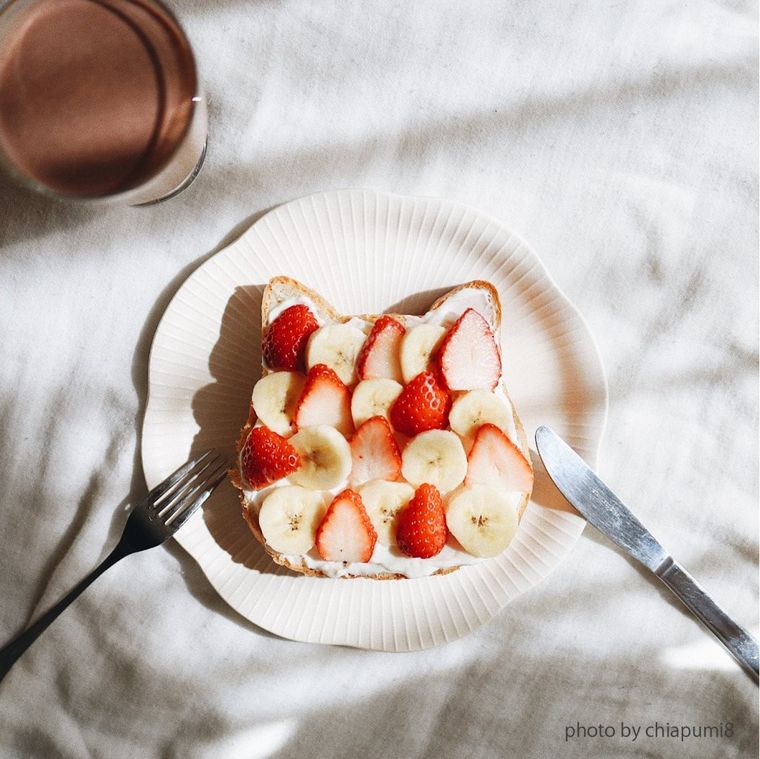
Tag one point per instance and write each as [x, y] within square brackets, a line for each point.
[99, 100]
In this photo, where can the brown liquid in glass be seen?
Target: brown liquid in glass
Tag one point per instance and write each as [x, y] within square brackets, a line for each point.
[95, 95]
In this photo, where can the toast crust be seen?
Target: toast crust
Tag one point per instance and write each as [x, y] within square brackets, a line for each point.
[281, 289]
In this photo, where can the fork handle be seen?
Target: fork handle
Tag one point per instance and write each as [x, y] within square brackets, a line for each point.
[13, 650]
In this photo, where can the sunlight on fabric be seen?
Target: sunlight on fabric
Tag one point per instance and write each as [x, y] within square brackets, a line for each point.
[304, 677]
[258, 742]
[704, 654]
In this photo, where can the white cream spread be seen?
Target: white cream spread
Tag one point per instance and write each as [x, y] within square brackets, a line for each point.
[390, 560]
[361, 324]
[387, 559]
[301, 300]
[455, 305]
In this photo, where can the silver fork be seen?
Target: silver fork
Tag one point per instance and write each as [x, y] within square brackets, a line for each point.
[153, 521]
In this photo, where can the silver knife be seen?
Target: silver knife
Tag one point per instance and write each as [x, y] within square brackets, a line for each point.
[602, 508]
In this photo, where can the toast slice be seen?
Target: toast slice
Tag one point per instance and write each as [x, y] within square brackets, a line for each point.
[387, 562]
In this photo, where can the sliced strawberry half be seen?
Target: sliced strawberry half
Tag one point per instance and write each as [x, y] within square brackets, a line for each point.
[324, 400]
[468, 356]
[346, 532]
[495, 460]
[422, 405]
[374, 452]
[285, 341]
[267, 457]
[379, 357]
[421, 528]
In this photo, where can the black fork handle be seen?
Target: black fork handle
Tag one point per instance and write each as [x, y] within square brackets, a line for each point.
[13, 650]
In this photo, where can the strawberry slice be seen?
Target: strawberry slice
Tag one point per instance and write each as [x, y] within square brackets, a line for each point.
[374, 452]
[422, 405]
[324, 400]
[346, 532]
[495, 460]
[285, 341]
[421, 528]
[468, 356]
[267, 457]
[380, 354]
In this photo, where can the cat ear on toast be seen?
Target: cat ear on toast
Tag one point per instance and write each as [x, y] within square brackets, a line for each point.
[478, 294]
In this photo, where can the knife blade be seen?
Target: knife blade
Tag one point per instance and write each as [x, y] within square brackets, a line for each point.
[605, 511]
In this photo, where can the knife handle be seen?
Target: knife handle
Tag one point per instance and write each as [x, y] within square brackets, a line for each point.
[740, 644]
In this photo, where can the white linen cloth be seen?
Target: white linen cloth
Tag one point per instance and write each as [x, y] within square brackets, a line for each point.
[620, 140]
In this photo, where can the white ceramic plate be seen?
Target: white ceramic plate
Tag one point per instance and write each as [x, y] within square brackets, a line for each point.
[367, 252]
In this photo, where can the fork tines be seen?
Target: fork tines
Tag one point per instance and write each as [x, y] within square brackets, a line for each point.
[176, 499]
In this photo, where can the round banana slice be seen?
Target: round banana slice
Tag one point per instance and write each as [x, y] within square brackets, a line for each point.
[436, 457]
[477, 407]
[326, 457]
[383, 501]
[274, 400]
[338, 346]
[482, 519]
[289, 517]
[373, 397]
[417, 347]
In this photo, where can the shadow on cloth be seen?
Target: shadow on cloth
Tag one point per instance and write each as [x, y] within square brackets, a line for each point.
[27, 214]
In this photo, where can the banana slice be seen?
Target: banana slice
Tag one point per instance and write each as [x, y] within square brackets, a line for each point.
[477, 407]
[274, 399]
[417, 347]
[482, 519]
[373, 397]
[383, 501]
[436, 457]
[289, 517]
[338, 346]
[326, 457]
